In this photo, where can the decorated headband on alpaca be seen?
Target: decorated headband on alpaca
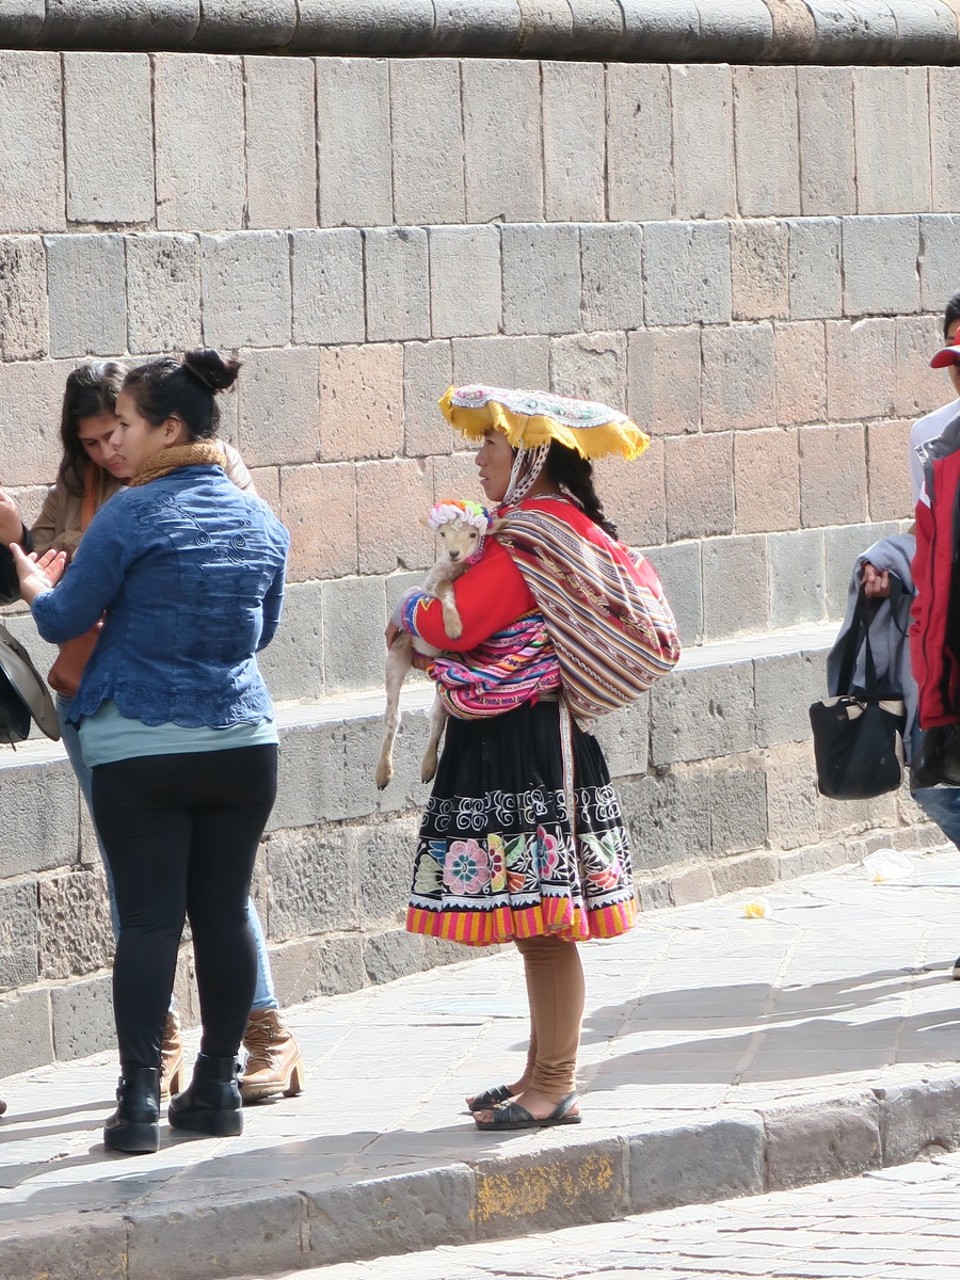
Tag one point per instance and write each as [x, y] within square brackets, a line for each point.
[468, 512]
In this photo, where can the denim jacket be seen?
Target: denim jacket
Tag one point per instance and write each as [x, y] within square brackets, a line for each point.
[189, 572]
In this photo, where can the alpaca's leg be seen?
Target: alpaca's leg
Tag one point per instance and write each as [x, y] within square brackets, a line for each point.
[399, 661]
[448, 603]
[438, 721]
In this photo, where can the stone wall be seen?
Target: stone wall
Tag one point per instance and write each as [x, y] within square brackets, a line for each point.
[748, 258]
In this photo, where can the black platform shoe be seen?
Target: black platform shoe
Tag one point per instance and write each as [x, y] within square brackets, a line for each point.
[211, 1103]
[135, 1125]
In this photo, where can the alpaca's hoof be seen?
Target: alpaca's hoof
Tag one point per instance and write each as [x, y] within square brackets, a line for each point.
[454, 629]
[384, 774]
[428, 769]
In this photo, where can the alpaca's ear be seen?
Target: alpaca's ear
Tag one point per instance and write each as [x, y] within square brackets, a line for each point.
[425, 521]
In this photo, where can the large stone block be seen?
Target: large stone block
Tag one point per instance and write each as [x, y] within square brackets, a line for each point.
[319, 507]
[834, 1140]
[200, 171]
[888, 480]
[74, 924]
[697, 1163]
[24, 324]
[118, 25]
[699, 479]
[699, 714]
[680, 573]
[459, 26]
[881, 94]
[313, 882]
[19, 959]
[279, 406]
[861, 369]
[738, 822]
[918, 388]
[785, 685]
[739, 377]
[639, 143]
[392, 954]
[816, 288]
[624, 736]
[686, 273]
[31, 142]
[880, 265]
[663, 379]
[397, 283]
[26, 1033]
[634, 497]
[31, 395]
[342, 25]
[465, 281]
[38, 818]
[163, 293]
[766, 476]
[108, 113]
[759, 270]
[22, 22]
[796, 577]
[354, 162]
[99, 1248]
[246, 289]
[393, 498]
[939, 256]
[293, 664]
[83, 1020]
[591, 366]
[236, 24]
[87, 295]
[833, 475]
[661, 28]
[612, 276]
[793, 816]
[744, 610]
[502, 361]
[842, 548]
[703, 141]
[541, 279]
[383, 856]
[916, 1119]
[262, 1232]
[361, 401]
[354, 615]
[574, 141]
[668, 817]
[766, 141]
[827, 140]
[281, 134]
[328, 297]
[427, 140]
[801, 360]
[945, 172]
[503, 146]
[427, 372]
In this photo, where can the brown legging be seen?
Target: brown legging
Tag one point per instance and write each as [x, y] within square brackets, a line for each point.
[555, 993]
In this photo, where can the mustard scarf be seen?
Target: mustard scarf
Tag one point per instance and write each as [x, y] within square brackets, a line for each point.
[199, 453]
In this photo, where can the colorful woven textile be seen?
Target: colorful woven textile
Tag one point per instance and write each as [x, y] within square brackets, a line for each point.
[511, 667]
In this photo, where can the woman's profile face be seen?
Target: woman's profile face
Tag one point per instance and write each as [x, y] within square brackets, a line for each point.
[95, 435]
[134, 439]
[494, 461]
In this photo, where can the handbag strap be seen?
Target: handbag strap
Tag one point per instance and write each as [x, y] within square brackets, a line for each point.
[859, 637]
[88, 503]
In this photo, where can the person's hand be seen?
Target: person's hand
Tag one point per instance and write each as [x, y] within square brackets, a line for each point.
[11, 522]
[37, 574]
[876, 582]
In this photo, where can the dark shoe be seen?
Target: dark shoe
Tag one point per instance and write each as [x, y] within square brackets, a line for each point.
[211, 1103]
[512, 1116]
[956, 969]
[488, 1098]
[135, 1125]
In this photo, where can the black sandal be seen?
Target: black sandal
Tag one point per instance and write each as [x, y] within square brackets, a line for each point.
[488, 1098]
[511, 1115]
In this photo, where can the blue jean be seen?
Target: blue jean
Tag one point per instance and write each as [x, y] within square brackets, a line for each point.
[264, 995]
[942, 806]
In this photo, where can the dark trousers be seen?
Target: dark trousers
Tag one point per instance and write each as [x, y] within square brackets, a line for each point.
[181, 834]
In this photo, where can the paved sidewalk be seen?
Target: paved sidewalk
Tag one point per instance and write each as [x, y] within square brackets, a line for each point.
[896, 1224]
[722, 1056]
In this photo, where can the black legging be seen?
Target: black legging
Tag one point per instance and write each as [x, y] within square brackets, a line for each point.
[181, 834]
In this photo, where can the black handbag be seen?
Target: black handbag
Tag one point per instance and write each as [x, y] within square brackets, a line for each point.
[937, 758]
[858, 735]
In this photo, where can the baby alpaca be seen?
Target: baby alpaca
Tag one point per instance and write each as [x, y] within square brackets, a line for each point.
[462, 527]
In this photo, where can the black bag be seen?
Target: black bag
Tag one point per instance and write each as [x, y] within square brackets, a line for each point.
[858, 736]
[937, 758]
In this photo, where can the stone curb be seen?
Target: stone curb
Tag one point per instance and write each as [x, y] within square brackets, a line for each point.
[567, 1179]
[815, 31]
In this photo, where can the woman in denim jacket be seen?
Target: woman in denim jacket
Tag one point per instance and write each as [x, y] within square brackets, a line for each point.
[189, 573]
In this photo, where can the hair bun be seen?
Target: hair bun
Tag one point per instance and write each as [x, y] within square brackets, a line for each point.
[211, 368]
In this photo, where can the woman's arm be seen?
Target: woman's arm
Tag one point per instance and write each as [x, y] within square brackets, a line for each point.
[490, 595]
[236, 470]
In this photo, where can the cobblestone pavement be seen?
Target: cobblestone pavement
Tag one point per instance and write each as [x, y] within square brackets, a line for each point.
[898, 1224]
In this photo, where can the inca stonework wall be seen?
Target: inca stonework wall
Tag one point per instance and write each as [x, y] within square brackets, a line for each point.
[750, 258]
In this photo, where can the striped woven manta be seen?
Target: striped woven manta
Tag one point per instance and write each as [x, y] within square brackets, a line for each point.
[603, 605]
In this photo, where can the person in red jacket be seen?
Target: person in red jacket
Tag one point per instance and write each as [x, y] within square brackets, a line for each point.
[523, 839]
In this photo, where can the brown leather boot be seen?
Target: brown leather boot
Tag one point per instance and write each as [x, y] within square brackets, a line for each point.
[274, 1063]
[172, 1073]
